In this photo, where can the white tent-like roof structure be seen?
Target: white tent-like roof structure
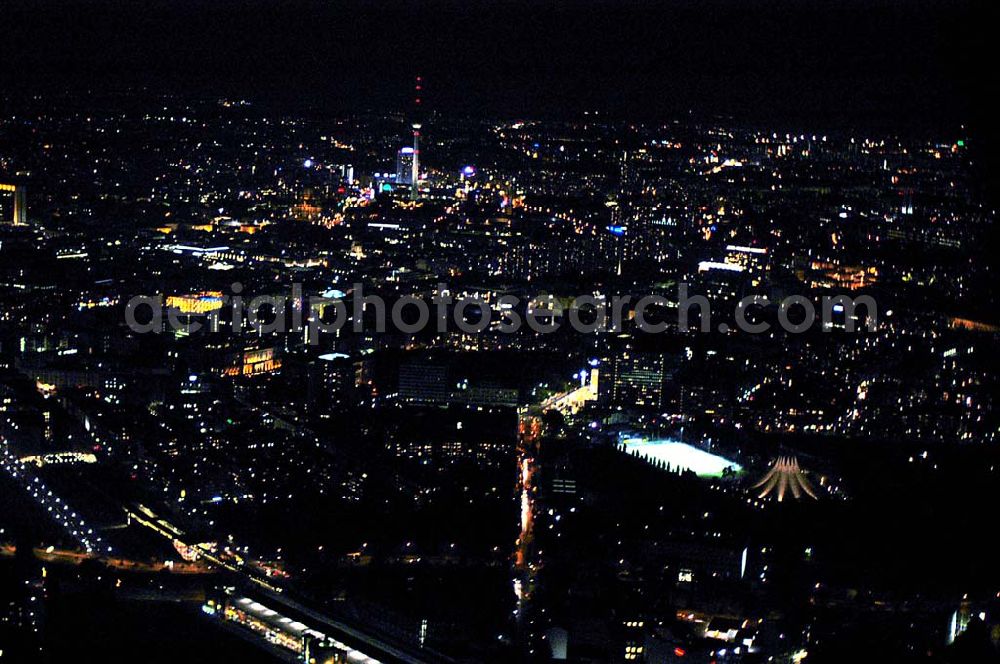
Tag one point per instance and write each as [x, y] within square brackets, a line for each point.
[785, 475]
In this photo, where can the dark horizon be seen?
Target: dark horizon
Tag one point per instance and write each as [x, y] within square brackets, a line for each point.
[898, 64]
[889, 67]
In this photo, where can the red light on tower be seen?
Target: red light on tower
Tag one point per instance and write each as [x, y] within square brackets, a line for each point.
[415, 125]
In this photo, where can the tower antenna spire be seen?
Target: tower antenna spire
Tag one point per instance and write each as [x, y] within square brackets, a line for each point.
[416, 125]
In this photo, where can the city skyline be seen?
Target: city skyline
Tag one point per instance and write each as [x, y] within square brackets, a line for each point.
[436, 333]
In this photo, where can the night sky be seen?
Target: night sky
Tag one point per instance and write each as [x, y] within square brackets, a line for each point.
[891, 63]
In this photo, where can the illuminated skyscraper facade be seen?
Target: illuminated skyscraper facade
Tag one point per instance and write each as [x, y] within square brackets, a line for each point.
[20, 216]
[405, 160]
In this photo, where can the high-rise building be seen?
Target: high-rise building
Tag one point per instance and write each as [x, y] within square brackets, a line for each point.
[20, 202]
[721, 282]
[638, 378]
[20, 206]
[332, 382]
[404, 165]
[423, 382]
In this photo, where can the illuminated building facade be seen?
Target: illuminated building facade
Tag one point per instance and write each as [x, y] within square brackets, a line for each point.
[753, 260]
[20, 215]
[253, 362]
[721, 282]
[196, 303]
[405, 159]
[638, 379]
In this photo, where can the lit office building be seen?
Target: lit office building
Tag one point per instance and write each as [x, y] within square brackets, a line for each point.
[332, 379]
[20, 214]
[753, 260]
[404, 165]
[638, 379]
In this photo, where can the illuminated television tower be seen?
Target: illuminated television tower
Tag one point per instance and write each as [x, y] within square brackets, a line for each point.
[414, 182]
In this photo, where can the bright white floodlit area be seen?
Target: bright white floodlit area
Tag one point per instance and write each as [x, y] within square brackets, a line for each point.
[680, 456]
